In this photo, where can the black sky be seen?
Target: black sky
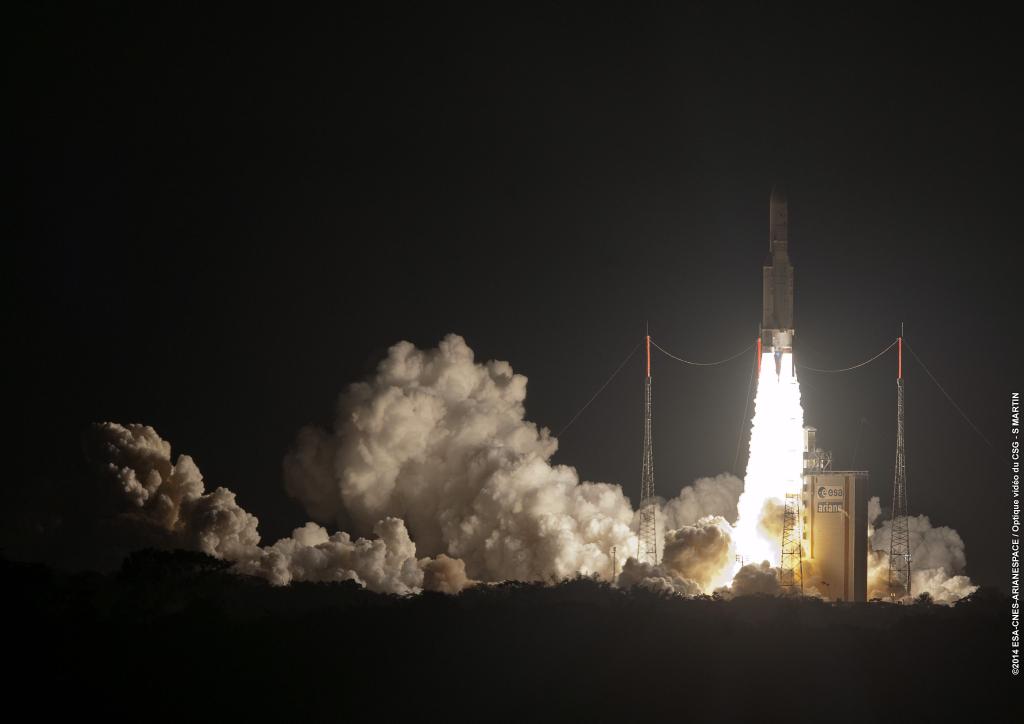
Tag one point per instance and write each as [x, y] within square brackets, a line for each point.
[225, 217]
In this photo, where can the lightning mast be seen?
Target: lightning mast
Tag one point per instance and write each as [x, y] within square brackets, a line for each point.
[647, 539]
[899, 547]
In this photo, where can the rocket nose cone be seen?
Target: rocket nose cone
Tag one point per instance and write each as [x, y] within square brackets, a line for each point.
[778, 195]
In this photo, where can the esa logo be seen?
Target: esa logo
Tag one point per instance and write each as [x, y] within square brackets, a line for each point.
[824, 492]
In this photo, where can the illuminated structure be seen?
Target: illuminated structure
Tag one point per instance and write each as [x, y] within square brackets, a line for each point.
[835, 524]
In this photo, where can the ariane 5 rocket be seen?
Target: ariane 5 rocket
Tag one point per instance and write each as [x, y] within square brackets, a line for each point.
[777, 309]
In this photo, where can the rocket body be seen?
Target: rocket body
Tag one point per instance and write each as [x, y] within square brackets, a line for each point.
[777, 307]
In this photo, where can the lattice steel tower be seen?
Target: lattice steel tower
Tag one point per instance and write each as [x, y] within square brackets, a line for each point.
[647, 538]
[899, 548]
[792, 568]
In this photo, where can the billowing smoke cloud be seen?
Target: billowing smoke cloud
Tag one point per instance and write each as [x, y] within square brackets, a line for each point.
[387, 563]
[656, 578]
[164, 504]
[696, 559]
[441, 442]
[938, 559]
[707, 496]
[444, 574]
[431, 456]
[756, 578]
[702, 553]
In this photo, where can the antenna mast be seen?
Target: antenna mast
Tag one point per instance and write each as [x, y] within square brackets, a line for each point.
[647, 540]
[899, 547]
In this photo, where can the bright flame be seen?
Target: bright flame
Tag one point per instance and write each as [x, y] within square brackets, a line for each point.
[776, 461]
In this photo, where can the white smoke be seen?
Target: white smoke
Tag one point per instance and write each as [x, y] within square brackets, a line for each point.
[937, 558]
[706, 496]
[441, 442]
[702, 552]
[755, 578]
[387, 564]
[656, 578]
[431, 456]
[696, 559]
[164, 504]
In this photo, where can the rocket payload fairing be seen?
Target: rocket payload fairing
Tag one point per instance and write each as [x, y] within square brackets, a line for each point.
[777, 309]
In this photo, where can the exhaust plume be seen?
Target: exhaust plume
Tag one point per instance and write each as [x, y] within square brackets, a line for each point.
[776, 461]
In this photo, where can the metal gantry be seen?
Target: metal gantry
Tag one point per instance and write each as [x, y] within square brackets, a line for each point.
[899, 547]
[792, 568]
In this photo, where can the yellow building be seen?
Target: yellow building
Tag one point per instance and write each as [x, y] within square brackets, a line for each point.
[835, 525]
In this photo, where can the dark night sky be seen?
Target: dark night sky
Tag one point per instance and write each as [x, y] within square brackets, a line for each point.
[225, 219]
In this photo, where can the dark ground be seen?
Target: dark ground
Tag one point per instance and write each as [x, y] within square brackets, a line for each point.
[175, 635]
